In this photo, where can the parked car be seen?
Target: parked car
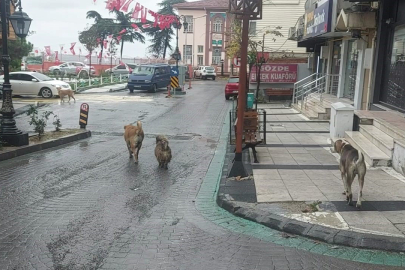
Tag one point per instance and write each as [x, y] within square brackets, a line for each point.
[34, 83]
[72, 68]
[232, 87]
[205, 72]
[121, 69]
[149, 77]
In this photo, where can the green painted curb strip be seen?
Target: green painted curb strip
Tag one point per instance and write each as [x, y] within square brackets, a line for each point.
[207, 206]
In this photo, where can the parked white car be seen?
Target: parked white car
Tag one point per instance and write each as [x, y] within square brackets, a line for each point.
[121, 69]
[204, 72]
[71, 68]
[34, 84]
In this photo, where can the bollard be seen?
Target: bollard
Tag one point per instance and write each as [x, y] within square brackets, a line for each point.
[168, 91]
[189, 84]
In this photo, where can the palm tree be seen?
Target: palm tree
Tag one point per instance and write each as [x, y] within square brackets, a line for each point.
[124, 22]
[161, 39]
[102, 26]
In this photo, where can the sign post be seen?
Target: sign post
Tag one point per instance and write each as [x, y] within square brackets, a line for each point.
[84, 115]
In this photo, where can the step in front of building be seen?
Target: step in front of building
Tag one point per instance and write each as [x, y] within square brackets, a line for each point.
[374, 156]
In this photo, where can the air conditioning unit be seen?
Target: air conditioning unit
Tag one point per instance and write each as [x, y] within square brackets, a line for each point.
[292, 32]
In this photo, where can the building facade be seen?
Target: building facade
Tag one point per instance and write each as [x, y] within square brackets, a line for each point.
[202, 43]
[279, 13]
[339, 36]
[388, 83]
[204, 40]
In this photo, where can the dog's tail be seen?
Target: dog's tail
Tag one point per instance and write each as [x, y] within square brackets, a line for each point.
[361, 158]
[139, 124]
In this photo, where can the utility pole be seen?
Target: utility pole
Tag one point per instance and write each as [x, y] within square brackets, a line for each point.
[246, 10]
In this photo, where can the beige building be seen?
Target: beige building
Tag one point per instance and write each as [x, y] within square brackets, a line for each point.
[203, 41]
[283, 13]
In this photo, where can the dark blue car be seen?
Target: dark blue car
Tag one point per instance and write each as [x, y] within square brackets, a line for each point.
[149, 77]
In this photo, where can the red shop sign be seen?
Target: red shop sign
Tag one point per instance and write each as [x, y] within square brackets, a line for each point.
[276, 73]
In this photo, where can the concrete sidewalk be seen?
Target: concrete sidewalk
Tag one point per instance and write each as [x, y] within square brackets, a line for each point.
[298, 179]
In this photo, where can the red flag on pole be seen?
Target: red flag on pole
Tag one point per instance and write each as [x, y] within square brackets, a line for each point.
[56, 57]
[123, 31]
[48, 50]
[72, 48]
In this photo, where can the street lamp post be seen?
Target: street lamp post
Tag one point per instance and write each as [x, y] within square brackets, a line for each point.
[222, 67]
[21, 22]
[177, 25]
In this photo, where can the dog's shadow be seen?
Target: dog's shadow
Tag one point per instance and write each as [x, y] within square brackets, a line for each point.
[376, 206]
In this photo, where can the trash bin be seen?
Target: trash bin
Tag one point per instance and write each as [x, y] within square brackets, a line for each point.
[250, 100]
[341, 119]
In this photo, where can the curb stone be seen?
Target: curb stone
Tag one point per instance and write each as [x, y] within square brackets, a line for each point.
[206, 204]
[43, 146]
[314, 231]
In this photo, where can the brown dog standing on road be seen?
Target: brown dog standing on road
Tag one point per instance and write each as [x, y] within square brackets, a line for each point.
[69, 93]
[351, 164]
[163, 152]
[133, 138]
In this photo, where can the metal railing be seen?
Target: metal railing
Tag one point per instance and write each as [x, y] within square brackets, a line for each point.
[77, 84]
[314, 86]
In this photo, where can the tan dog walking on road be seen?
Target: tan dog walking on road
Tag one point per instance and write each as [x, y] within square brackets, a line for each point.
[133, 138]
[351, 164]
[69, 93]
[163, 152]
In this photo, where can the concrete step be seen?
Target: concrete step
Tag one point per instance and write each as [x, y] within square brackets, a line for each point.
[319, 102]
[389, 129]
[310, 113]
[317, 105]
[380, 139]
[372, 154]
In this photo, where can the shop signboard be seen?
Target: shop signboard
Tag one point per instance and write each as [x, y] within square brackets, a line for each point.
[276, 73]
[318, 19]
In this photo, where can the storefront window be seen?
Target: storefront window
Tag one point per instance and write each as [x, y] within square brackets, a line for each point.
[351, 69]
[396, 78]
[335, 70]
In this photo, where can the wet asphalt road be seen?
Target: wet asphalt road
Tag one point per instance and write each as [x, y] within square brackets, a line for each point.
[87, 206]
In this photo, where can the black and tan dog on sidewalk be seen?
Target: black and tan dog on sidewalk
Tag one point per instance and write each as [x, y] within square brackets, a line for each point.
[163, 152]
[351, 164]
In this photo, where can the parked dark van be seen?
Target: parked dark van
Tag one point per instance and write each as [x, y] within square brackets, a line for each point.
[149, 77]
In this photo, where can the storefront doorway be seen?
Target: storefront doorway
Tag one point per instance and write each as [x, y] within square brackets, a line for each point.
[351, 70]
[335, 69]
[394, 90]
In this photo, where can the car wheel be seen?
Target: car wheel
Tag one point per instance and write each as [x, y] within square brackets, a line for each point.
[213, 78]
[131, 90]
[56, 72]
[83, 74]
[226, 97]
[46, 93]
[154, 89]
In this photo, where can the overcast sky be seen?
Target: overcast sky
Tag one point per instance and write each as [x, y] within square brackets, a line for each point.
[58, 22]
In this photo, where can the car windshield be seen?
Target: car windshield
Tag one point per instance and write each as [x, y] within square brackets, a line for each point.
[144, 71]
[233, 80]
[209, 68]
[42, 77]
